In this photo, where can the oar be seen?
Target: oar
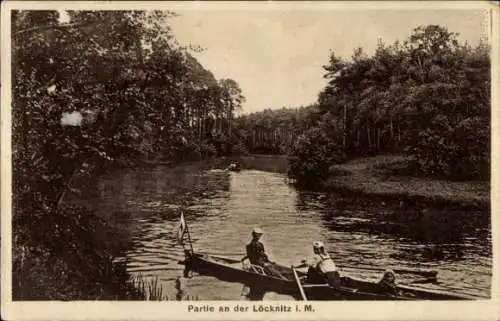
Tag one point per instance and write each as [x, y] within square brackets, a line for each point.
[223, 254]
[427, 273]
[297, 280]
[425, 280]
[225, 258]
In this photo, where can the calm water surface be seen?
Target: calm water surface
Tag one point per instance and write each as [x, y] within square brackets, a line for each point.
[222, 207]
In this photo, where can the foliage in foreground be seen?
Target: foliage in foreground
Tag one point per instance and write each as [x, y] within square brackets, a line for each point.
[69, 256]
[428, 97]
[103, 87]
[151, 289]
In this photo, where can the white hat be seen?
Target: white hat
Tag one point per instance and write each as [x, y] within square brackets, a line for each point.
[257, 231]
[318, 244]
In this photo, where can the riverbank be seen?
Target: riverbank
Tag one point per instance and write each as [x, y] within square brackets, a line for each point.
[375, 178]
[261, 162]
[268, 163]
[77, 261]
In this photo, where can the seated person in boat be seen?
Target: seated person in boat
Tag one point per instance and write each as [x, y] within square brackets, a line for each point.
[321, 267]
[257, 255]
[388, 282]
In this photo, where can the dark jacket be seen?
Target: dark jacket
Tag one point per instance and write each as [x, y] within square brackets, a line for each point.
[388, 287]
[256, 254]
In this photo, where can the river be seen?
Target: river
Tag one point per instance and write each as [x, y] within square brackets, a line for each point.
[222, 207]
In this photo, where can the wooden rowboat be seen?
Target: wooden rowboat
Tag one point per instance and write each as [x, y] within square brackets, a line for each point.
[232, 270]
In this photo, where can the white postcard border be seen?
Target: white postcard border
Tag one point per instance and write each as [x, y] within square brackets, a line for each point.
[170, 310]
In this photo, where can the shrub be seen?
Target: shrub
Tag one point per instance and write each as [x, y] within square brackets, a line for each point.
[239, 149]
[75, 263]
[311, 157]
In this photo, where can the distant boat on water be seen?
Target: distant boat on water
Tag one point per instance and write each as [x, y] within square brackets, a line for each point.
[234, 167]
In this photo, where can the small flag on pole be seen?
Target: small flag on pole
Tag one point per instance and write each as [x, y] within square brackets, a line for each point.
[181, 230]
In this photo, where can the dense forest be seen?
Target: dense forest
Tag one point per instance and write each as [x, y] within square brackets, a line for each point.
[427, 97]
[274, 131]
[104, 87]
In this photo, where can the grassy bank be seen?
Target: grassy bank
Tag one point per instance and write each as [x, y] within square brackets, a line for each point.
[377, 177]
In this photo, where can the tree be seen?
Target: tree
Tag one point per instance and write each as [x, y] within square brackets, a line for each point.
[232, 98]
[106, 87]
[417, 97]
[274, 131]
[311, 157]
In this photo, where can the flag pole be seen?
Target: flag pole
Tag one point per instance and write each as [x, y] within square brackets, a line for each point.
[183, 220]
[189, 238]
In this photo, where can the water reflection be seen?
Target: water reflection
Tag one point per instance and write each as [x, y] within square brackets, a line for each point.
[222, 207]
[452, 241]
[445, 232]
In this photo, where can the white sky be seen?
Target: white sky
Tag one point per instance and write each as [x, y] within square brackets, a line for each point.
[277, 56]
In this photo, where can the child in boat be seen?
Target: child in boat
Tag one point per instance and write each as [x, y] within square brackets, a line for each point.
[321, 266]
[388, 282]
[257, 255]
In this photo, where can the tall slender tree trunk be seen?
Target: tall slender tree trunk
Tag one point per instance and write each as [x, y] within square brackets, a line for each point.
[399, 132]
[205, 118]
[391, 126]
[191, 122]
[368, 134]
[199, 124]
[253, 139]
[378, 139]
[229, 117]
[214, 127]
[202, 121]
[344, 141]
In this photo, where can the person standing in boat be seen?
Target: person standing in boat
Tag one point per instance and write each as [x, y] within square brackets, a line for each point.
[256, 254]
[321, 266]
